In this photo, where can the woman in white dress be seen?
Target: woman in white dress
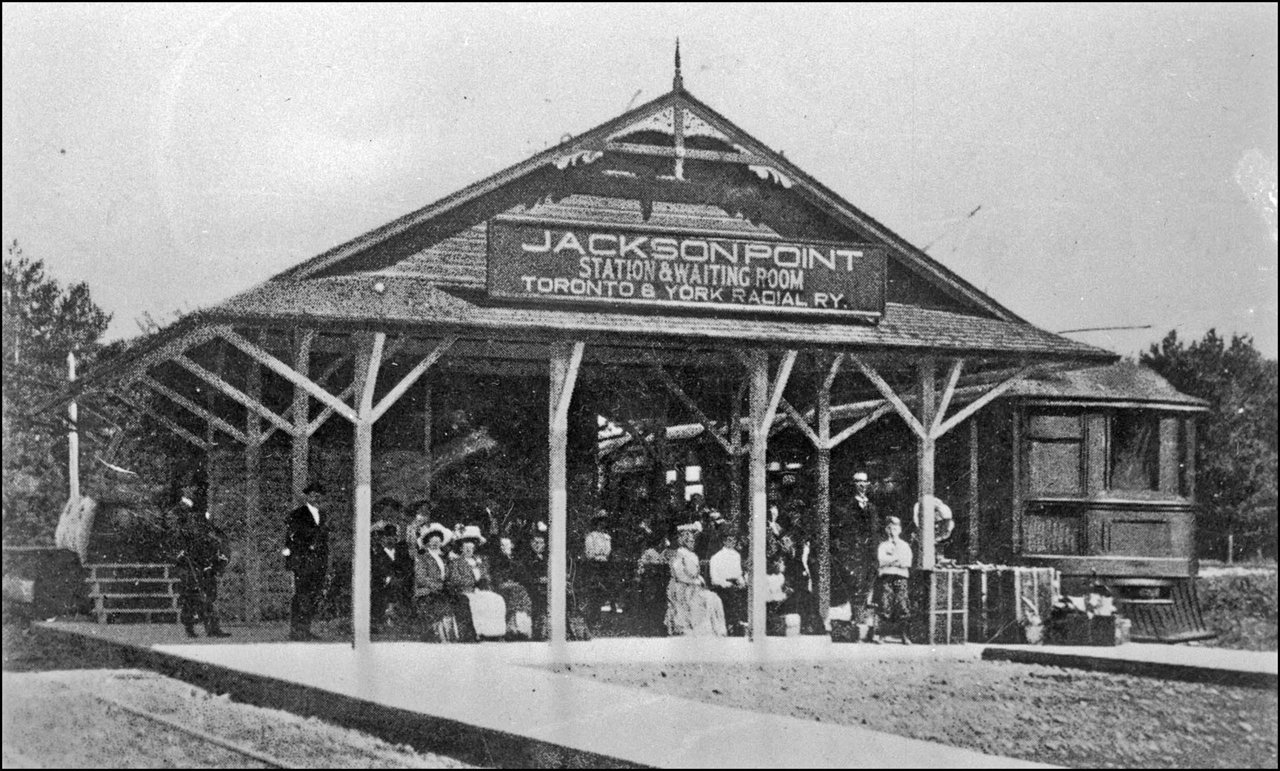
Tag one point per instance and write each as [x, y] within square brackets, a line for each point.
[692, 609]
[481, 612]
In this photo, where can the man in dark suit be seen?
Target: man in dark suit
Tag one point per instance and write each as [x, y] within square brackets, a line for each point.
[306, 553]
[853, 546]
[200, 557]
[391, 574]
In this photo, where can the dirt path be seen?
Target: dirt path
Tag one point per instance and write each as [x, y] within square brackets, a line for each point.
[1046, 714]
[56, 719]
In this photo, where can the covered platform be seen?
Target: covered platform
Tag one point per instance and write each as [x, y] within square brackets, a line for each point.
[665, 245]
[502, 707]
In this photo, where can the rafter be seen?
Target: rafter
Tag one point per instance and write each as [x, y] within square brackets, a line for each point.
[234, 393]
[680, 394]
[887, 392]
[983, 401]
[163, 420]
[196, 409]
[948, 392]
[412, 377]
[800, 422]
[288, 373]
[879, 412]
[565, 389]
[778, 386]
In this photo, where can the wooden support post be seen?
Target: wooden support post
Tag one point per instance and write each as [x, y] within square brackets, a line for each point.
[301, 412]
[428, 418]
[735, 458]
[73, 438]
[565, 360]
[973, 492]
[368, 361]
[927, 369]
[822, 408]
[253, 500]
[759, 378]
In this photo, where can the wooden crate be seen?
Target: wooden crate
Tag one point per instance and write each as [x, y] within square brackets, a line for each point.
[996, 607]
[940, 606]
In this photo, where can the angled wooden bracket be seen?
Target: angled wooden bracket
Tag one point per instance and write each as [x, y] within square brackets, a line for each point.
[234, 393]
[886, 391]
[288, 373]
[688, 402]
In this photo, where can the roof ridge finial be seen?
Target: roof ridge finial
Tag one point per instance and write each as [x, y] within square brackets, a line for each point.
[677, 83]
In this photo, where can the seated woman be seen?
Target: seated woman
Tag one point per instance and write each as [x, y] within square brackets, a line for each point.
[481, 612]
[692, 609]
[506, 579]
[433, 601]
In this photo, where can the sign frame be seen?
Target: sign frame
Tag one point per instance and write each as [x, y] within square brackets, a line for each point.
[498, 286]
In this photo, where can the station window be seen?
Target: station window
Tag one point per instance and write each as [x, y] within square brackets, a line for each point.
[1055, 443]
[1135, 450]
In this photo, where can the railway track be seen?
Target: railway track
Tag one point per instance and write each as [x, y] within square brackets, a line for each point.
[270, 760]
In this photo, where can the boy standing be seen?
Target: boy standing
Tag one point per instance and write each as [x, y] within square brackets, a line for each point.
[892, 603]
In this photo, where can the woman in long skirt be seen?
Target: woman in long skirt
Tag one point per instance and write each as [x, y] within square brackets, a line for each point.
[481, 612]
[692, 609]
[434, 604]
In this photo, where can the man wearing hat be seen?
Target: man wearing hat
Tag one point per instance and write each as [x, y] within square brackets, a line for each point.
[391, 569]
[200, 558]
[306, 553]
[854, 540]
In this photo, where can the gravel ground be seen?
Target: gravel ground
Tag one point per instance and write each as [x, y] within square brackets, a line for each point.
[57, 719]
[1046, 714]
[49, 698]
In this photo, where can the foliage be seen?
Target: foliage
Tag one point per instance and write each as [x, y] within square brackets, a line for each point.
[1236, 453]
[43, 322]
[1241, 608]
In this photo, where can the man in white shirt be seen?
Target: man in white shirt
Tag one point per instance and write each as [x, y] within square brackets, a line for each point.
[306, 553]
[597, 546]
[728, 582]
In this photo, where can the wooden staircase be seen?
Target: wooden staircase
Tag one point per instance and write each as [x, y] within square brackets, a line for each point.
[133, 592]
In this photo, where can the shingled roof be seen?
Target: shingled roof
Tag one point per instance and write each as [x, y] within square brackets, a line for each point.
[410, 301]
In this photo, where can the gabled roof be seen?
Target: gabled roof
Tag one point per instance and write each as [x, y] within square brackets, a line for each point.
[695, 116]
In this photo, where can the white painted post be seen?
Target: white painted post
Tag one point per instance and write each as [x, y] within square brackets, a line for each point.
[367, 363]
[73, 437]
[558, 498]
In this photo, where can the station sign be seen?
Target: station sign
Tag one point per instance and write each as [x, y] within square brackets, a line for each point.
[629, 268]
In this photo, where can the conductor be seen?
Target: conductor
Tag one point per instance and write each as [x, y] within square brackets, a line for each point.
[306, 553]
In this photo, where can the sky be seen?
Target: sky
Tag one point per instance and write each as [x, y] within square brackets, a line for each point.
[1085, 165]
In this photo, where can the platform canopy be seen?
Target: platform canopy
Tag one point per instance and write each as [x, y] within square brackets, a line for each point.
[665, 237]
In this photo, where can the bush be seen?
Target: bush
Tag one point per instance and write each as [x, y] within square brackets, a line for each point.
[1241, 608]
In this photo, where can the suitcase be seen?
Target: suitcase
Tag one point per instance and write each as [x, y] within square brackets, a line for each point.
[844, 631]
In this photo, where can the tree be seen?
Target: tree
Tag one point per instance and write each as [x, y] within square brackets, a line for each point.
[1236, 453]
[43, 322]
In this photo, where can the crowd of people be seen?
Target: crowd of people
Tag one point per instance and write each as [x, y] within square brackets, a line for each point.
[673, 570]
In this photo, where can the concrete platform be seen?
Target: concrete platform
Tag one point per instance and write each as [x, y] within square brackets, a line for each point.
[1218, 666]
[494, 704]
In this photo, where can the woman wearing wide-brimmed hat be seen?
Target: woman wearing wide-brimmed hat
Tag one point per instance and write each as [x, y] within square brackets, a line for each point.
[433, 600]
[692, 609]
[481, 612]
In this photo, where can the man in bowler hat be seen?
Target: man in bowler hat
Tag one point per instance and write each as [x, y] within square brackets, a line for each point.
[306, 553]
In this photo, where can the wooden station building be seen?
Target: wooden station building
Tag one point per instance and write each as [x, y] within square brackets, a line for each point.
[668, 246]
